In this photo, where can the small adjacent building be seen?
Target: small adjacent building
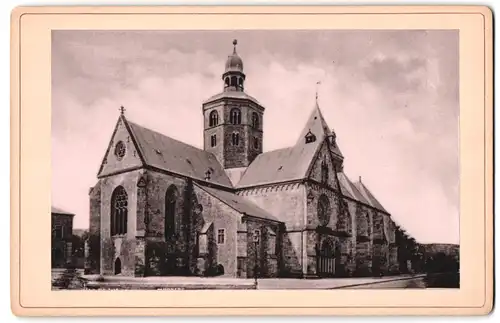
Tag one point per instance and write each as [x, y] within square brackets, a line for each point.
[62, 232]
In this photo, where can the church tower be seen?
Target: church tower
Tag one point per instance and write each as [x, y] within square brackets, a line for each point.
[233, 121]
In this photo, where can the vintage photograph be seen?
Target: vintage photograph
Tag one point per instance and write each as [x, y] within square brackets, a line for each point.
[255, 159]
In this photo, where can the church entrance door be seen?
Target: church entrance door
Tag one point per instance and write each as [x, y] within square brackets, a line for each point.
[326, 259]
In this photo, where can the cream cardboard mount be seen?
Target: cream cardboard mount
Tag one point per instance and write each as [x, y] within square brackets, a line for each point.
[173, 191]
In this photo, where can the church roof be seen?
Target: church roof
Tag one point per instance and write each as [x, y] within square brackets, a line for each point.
[280, 165]
[56, 210]
[239, 203]
[289, 163]
[370, 198]
[317, 125]
[349, 189]
[232, 95]
[169, 154]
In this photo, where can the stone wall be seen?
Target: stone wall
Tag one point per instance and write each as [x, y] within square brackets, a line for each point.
[122, 246]
[93, 243]
[224, 218]
[266, 254]
[131, 159]
[218, 131]
[287, 204]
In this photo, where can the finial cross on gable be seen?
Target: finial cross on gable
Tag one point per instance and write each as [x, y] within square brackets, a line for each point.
[122, 110]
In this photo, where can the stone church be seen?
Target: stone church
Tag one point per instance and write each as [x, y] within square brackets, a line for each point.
[162, 207]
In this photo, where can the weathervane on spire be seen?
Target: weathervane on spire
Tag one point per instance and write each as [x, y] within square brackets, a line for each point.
[317, 86]
[235, 42]
[122, 110]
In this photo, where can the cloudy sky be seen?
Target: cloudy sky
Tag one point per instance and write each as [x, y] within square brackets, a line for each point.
[391, 96]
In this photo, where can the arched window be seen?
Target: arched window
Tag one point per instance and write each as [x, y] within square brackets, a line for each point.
[240, 82]
[236, 138]
[170, 211]
[214, 119]
[323, 210]
[255, 120]
[118, 266]
[119, 211]
[235, 116]
[324, 172]
[226, 81]
[233, 81]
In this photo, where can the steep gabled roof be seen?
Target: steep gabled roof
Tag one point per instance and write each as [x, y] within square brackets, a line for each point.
[171, 155]
[349, 189]
[291, 163]
[369, 197]
[239, 203]
[316, 124]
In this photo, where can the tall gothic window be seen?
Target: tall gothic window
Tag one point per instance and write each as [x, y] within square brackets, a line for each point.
[214, 119]
[255, 120]
[170, 211]
[235, 138]
[235, 116]
[119, 211]
[323, 210]
[324, 172]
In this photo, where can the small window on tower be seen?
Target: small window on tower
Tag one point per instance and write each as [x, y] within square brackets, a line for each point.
[214, 119]
[235, 116]
[213, 140]
[236, 138]
[255, 120]
[226, 81]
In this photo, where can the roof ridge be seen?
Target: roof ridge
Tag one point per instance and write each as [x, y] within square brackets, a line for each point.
[164, 135]
[208, 190]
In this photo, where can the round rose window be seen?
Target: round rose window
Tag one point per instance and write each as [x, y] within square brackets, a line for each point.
[120, 150]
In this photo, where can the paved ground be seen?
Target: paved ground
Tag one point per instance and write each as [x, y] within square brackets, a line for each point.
[122, 282]
[334, 283]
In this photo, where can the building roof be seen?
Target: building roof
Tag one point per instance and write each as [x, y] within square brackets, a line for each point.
[232, 95]
[369, 197]
[234, 62]
[317, 125]
[280, 165]
[349, 189]
[291, 163]
[239, 203]
[56, 210]
[169, 154]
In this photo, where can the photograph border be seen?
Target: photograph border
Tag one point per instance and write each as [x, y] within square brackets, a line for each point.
[20, 198]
